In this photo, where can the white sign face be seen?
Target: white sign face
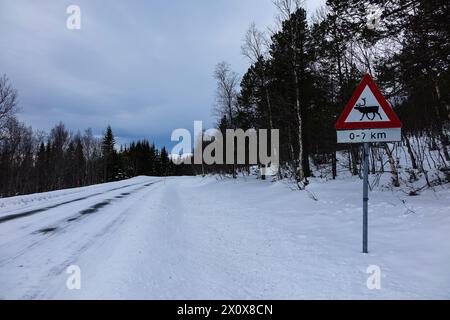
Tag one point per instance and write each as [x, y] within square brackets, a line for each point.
[367, 109]
[369, 135]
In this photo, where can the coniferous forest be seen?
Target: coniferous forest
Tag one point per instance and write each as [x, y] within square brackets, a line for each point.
[33, 162]
[303, 73]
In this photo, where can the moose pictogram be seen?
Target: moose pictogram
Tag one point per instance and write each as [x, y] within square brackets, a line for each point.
[370, 112]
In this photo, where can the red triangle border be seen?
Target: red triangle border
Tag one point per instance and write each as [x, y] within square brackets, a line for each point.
[394, 120]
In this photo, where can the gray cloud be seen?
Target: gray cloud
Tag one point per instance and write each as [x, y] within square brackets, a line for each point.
[145, 67]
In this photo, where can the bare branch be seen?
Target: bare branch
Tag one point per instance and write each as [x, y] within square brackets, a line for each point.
[8, 101]
[287, 7]
[255, 44]
[226, 94]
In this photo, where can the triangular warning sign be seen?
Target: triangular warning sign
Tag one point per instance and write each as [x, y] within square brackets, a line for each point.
[368, 109]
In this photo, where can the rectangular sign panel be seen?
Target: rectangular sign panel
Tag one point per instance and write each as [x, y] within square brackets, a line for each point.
[369, 135]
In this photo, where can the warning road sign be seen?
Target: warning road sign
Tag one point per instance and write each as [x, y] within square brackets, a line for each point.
[368, 109]
[367, 118]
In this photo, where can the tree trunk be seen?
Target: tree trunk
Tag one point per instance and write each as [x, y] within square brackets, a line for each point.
[300, 172]
[334, 165]
[410, 152]
[373, 160]
[269, 107]
[230, 111]
[444, 142]
[354, 160]
[394, 171]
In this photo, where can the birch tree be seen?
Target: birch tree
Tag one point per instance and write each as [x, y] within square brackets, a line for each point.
[8, 103]
[226, 95]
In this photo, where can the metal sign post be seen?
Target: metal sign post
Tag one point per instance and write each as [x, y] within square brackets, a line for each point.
[367, 118]
[366, 199]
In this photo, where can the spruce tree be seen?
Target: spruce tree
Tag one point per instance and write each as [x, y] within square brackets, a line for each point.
[109, 156]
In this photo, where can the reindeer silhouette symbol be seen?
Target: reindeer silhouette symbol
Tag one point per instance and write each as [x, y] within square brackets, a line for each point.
[373, 111]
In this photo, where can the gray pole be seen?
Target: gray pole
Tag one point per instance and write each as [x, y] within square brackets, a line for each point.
[366, 198]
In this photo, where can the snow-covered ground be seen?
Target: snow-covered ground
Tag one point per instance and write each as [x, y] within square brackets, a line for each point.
[203, 238]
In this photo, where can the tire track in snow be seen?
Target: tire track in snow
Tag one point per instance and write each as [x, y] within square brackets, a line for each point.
[14, 216]
[60, 226]
[59, 270]
[43, 265]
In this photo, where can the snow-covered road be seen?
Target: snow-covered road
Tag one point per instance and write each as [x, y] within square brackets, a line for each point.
[194, 238]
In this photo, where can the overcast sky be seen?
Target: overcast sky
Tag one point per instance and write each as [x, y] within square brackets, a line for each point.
[143, 66]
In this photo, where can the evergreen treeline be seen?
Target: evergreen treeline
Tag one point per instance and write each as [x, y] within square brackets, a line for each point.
[303, 74]
[34, 162]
